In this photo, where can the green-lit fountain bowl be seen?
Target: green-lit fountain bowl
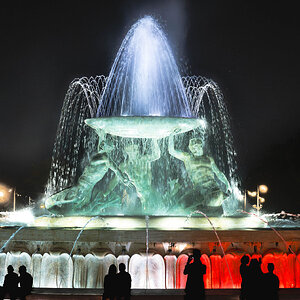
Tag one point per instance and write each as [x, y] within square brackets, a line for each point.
[144, 127]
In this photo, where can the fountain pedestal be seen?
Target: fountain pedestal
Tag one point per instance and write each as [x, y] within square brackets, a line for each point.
[153, 127]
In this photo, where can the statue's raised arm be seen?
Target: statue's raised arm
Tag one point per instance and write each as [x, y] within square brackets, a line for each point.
[123, 176]
[176, 153]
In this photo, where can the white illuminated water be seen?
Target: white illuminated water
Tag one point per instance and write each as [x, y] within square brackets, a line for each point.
[147, 271]
[56, 270]
[144, 79]
[170, 264]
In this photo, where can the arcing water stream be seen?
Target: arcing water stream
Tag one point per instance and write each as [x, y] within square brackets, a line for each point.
[218, 238]
[19, 229]
[79, 234]
[10, 238]
[288, 247]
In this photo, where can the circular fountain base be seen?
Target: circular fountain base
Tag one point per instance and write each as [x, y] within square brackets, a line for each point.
[155, 127]
[164, 242]
[132, 229]
[155, 222]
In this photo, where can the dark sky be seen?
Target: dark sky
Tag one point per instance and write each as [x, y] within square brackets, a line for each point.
[250, 48]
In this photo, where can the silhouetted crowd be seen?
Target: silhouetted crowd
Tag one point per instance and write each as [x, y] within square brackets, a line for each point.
[256, 284]
[117, 285]
[11, 284]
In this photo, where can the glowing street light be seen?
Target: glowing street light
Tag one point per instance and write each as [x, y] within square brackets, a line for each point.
[263, 188]
[251, 194]
[259, 200]
[4, 193]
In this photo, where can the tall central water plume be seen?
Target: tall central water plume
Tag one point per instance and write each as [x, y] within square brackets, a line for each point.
[144, 79]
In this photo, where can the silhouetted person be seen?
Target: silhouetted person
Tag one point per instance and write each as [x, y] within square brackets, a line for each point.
[195, 270]
[123, 283]
[110, 283]
[10, 285]
[270, 284]
[254, 280]
[244, 271]
[25, 280]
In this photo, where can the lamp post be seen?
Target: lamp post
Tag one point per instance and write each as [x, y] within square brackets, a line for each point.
[14, 202]
[14, 207]
[261, 189]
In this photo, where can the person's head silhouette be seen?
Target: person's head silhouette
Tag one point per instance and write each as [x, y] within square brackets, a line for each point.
[112, 270]
[270, 267]
[122, 267]
[245, 260]
[22, 270]
[10, 269]
[255, 265]
[196, 254]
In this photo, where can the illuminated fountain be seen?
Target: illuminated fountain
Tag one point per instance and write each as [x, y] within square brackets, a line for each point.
[164, 142]
[140, 157]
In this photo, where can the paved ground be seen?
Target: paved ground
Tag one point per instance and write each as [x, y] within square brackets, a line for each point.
[95, 294]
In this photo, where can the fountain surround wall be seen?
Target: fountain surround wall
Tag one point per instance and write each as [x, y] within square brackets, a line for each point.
[45, 253]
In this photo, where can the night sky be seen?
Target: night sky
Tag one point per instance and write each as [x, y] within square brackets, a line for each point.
[250, 48]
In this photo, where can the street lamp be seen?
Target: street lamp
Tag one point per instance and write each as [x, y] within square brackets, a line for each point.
[261, 189]
[4, 193]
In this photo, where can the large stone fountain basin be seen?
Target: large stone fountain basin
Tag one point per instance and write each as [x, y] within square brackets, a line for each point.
[144, 127]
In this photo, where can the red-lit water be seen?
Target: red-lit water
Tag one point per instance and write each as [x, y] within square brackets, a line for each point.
[217, 274]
